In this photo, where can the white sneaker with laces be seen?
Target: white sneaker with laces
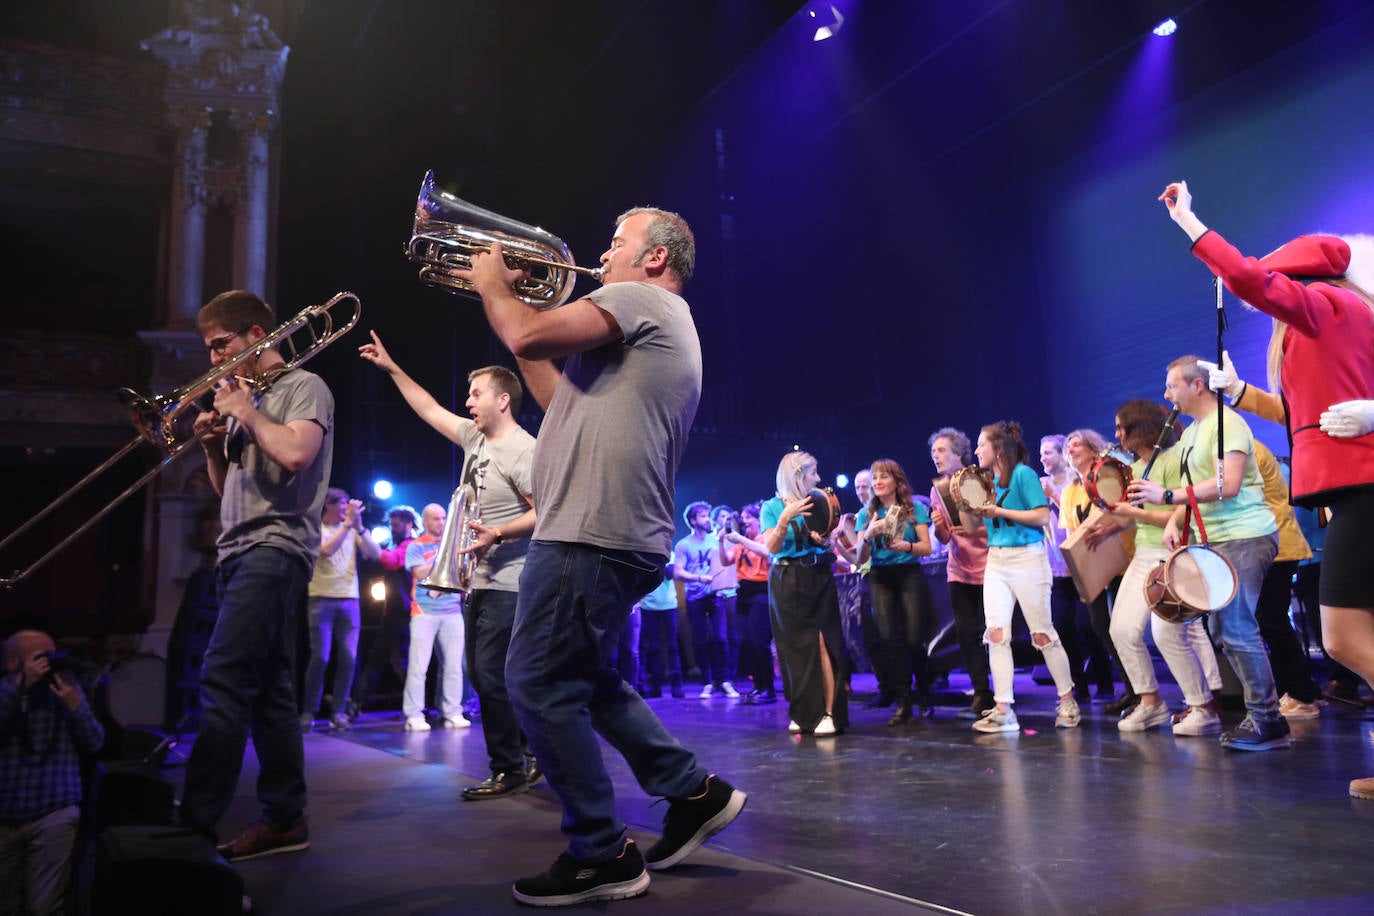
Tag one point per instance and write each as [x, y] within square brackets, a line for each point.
[793, 728]
[729, 690]
[706, 692]
[417, 724]
[993, 721]
[457, 722]
[1144, 717]
[825, 727]
[1199, 721]
[1066, 714]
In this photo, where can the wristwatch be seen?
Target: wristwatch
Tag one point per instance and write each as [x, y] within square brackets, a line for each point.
[499, 537]
[1168, 497]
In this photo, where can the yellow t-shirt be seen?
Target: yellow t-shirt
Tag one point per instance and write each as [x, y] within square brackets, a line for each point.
[1074, 506]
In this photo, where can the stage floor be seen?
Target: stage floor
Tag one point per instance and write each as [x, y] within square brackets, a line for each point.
[928, 817]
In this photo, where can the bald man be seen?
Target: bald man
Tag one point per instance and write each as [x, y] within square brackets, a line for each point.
[435, 616]
[45, 726]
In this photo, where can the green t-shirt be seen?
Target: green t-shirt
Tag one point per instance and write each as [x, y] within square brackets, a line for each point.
[1166, 473]
[1246, 515]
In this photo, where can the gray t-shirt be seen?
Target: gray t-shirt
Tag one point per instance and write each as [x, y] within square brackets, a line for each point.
[506, 495]
[617, 426]
[264, 504]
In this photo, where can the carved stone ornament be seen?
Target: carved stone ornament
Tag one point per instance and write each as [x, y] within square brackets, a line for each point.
[224, 54]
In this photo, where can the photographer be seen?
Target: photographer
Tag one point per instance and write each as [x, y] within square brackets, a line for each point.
[45, 724]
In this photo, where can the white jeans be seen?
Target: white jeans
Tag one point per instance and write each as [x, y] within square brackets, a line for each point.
[1186, 647]
[425, 631]
[1020, 574]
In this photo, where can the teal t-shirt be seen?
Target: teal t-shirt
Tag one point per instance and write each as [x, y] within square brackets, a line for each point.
[879, 554]
[1025, 492]
[769, 513]
[1245, 515]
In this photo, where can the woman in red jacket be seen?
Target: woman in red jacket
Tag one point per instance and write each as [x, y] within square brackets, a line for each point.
[1321, 366]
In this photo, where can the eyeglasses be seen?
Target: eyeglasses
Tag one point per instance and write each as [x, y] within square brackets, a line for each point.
[218, 344]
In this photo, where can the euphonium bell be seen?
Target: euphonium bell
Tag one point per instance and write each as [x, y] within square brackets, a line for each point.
[453, 569]
[448, 231]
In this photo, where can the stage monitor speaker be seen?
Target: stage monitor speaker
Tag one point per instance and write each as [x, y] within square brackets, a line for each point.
[162, 871]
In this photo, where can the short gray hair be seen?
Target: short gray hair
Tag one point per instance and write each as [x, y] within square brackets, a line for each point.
[672, 232]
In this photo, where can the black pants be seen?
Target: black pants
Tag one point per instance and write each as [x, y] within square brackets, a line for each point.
[966, 601]
[660, 658]
[903, 612]
[756, 635]
[488, 616]
[1292, 670]
[710, 616]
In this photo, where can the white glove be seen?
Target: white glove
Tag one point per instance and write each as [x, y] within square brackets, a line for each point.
[1223, 378]
[1348, 419]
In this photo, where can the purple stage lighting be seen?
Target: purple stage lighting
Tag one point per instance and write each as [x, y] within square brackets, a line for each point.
[831, 30]
[1166, 28]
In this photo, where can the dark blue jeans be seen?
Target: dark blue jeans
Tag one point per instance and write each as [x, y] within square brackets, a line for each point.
[573, 602]
[488, 617]
[248, 683]
[710, 616]
[662, 663]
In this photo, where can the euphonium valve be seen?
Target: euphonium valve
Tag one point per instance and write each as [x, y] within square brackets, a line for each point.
[448, 231]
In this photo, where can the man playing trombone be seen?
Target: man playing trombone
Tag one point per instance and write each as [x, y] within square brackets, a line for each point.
[268, 455]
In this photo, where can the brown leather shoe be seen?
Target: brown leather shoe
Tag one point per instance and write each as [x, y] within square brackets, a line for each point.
[261, 840]
[1362, 788]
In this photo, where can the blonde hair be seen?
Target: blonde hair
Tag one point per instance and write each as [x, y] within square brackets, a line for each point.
[789, 479]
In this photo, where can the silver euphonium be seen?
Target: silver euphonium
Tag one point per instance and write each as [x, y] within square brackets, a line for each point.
[453, 569]
[448, 231]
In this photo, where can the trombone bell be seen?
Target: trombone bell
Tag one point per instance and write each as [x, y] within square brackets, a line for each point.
[448, 231]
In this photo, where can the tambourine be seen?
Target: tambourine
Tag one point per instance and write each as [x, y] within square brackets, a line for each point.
[1191, 582]
[1107, 479]
[824, 513]
[972, 487]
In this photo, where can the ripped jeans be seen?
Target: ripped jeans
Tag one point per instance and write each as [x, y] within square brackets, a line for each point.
[1021, 574]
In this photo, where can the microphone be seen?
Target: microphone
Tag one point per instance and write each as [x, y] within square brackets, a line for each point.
[1159, 443]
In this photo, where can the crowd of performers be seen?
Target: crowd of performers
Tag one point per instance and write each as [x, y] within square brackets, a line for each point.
[1214, 484]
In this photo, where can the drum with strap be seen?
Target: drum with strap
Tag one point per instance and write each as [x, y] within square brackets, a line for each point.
[824, 513]
[1192, 581]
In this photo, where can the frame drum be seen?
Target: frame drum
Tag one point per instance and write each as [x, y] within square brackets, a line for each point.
[1107, 481]
[1193, 581]
[824, 513]
[972, 487]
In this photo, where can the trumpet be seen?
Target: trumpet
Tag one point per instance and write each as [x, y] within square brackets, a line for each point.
[156, 417]
[448, 231]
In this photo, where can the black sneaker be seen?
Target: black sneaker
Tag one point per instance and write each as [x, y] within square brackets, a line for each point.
[569, 881]
[693, 820]
[1252, 735]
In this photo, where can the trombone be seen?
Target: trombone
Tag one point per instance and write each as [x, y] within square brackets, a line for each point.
[155, 417]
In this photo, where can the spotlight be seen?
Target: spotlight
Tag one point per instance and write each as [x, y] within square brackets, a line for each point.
[380, 534]
[382, 489]
[1164, 29]
[841, 481]
[828, 31]
[377, 590]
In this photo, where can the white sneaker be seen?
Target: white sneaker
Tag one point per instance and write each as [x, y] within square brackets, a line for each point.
[825, 727]
[994, 721]
[729, 690]
[1290, 708]
[1199, 721]
[793, 728]
[457, 722]
[1066, 714]
[706, 692]
[417, 724]
[1144, 717]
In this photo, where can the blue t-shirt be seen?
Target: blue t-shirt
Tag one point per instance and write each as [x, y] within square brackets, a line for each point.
[1024, 493]
[769, 513]
[879, 554]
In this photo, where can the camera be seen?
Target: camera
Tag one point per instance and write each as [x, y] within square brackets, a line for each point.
[58, 660]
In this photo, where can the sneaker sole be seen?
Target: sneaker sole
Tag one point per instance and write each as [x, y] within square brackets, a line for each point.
[275, 850]
[1197, 733]
[621, 890]
[1361, 793]
[1276, 744]
[715, 825]
[1001, 729]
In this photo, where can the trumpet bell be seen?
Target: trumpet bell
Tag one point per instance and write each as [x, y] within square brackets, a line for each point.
[448, 231]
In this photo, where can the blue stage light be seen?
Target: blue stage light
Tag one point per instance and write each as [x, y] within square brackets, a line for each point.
[382, 489]
[1166, 28]
[841, 481]
[381, 534]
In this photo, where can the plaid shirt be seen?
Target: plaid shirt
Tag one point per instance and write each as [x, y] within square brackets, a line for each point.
[41, 741]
